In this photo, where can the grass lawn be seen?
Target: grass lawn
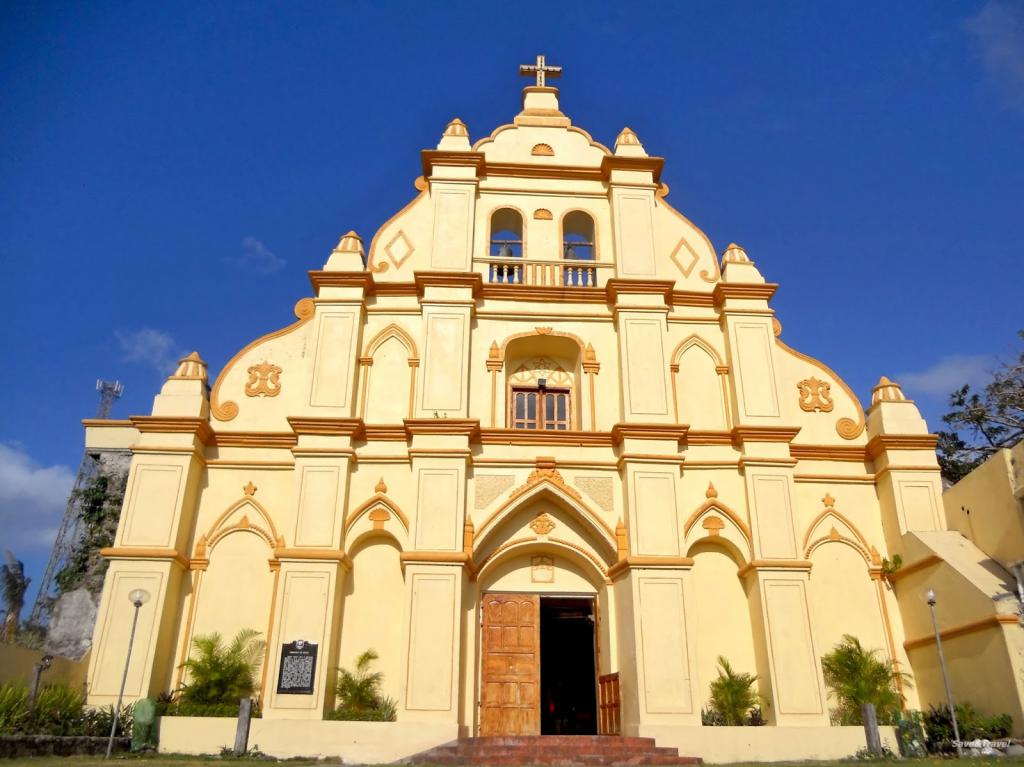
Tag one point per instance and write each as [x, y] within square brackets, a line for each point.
[205, 761]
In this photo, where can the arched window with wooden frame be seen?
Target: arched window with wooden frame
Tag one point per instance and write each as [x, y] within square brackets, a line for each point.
[540, 396]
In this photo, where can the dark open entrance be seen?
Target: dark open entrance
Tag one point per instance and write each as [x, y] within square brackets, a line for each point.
[568, 672]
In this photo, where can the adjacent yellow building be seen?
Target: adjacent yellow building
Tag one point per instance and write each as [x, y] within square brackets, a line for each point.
[536, 435]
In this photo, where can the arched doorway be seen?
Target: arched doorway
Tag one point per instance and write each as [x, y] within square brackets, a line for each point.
[542, 586]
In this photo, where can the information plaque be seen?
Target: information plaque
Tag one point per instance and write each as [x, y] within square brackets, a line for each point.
[298, 668]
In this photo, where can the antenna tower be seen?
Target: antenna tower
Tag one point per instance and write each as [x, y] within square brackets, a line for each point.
[71, 525]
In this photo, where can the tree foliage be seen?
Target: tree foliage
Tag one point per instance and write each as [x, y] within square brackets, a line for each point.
[222, 674]
[14, 584]
[983, 422]
[358, 693]
[733, 697]
[856, 676]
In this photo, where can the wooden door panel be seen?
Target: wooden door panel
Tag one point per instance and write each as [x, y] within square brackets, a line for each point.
[510, 688]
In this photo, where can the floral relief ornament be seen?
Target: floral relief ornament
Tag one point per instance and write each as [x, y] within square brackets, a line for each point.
[264, 380]
[814, 396]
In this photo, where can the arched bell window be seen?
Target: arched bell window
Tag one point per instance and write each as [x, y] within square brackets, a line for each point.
[578, 237]
[506, 233]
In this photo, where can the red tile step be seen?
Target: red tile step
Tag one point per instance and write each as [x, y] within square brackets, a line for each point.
[553, 751]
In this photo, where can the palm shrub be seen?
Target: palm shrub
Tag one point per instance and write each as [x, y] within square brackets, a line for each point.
[59, 710]
[856, 676]
[220, 675]
[359, 696]
[733, 698]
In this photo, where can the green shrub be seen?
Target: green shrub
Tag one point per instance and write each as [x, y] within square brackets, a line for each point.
[973, 725]
[219, 675]
[855, 676]
[59, 710]
[733, 698]
[13, 707]
[359, 697]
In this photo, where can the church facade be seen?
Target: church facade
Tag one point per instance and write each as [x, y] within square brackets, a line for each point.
[542, 449]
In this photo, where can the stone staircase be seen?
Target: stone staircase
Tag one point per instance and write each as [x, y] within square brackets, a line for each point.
[561, 750]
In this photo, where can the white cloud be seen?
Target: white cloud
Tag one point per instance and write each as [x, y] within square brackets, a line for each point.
[32, 500]
[257, 257]
[946, 375]
[150, 347]
[998, 29]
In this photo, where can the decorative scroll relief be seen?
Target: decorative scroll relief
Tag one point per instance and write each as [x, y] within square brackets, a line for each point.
[815, 396]
[264, 380]
[847, 428]
[542, 524]
[227, 410]
[533, 370]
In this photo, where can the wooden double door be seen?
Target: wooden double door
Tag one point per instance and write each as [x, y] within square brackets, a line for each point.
[511, 690]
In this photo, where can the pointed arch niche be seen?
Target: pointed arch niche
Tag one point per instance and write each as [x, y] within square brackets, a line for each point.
[372, 590]
[235, 576]
[699, 386]
[844, 563]
[389, 365]
[718, 540]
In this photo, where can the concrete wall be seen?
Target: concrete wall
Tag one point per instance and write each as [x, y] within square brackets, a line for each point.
[986, 505]
[18, 663]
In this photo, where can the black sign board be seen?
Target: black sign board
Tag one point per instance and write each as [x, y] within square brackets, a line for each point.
[298, 668]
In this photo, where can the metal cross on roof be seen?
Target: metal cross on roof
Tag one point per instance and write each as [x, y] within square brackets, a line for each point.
[540, 69]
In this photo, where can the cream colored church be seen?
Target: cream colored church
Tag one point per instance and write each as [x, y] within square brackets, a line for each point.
[546, 451]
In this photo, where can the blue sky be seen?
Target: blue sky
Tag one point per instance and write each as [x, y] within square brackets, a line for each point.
[169, 171]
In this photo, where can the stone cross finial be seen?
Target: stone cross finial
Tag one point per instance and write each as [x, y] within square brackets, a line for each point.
[540, 70]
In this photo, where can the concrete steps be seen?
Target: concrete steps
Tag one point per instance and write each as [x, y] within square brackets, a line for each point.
[553, 751]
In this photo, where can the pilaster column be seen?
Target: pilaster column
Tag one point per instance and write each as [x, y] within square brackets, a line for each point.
[436, 570]
[453, 171]
[312, 562]
[150, 547]
[641, 319]
[909, 484]
[788, 662]
[340, 314]
[653, 582]
[447, 303]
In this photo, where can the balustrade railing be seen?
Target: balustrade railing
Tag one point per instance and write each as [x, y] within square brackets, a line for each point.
[563, 273]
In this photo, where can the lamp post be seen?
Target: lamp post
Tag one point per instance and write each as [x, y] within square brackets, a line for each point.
[138, 597]
[40, 667]
[929, 596]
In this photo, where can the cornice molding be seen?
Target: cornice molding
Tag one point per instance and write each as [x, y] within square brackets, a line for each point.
[155, 424]
[759, 565]
[853, 453]
[432, 157]
[141, 552]
[652, 164]
[106, 423]
[617, 286]
[471, 280]
[495, 436]
[321, 279]
[884, 442]
[726, 290]
[632, 562]
[743, 434]
[282, 439]
[466, 427]
[621, 431]
[341, 427]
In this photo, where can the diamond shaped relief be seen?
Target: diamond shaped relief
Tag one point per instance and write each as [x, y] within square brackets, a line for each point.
[399, 249]
[684, 257]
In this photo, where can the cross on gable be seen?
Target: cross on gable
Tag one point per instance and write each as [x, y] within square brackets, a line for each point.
[540, 70]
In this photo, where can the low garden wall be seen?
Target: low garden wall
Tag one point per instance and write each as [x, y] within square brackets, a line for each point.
[718, 745]
[358, 742]
[17, 664]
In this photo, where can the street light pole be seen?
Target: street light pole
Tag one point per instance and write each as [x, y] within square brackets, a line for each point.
[930, 598]
[137, 597]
